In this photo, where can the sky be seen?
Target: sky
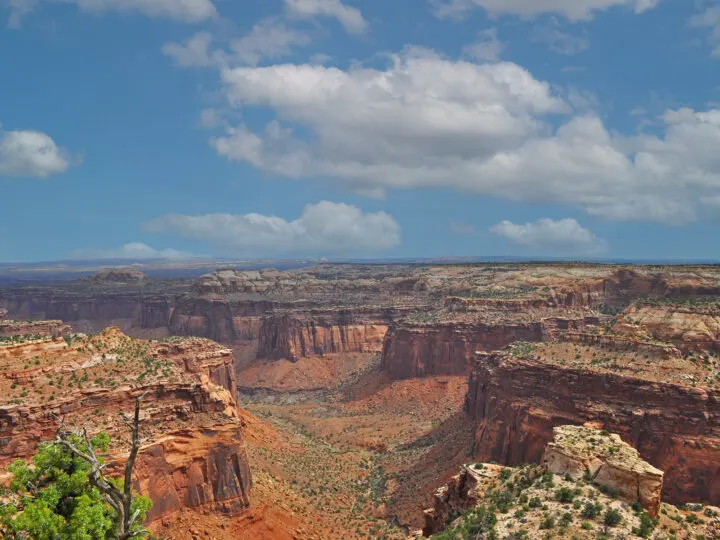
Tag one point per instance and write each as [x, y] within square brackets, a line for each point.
[359, 128]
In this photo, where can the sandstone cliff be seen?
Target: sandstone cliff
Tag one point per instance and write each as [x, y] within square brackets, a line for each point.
[295, 335]
[446, 348]
[194, 456]
[516, 402]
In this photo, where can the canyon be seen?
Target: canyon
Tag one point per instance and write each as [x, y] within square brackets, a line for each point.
[331, 401]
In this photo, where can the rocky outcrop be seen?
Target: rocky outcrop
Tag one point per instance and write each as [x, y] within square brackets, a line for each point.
[516, 402]
[582, 452]
[194, 456]
[38, 328]
[451, 499]
[195, 469]
[446, 348]
[3, 314]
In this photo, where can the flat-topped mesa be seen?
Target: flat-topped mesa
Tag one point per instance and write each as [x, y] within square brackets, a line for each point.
[415, 348]
[224, 282]
[620, 344]
[117, 276]
[10, 328]
[667, 408]
[194, 455]
[584, 452]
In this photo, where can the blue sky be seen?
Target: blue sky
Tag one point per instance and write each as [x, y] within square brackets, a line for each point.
[284, 128]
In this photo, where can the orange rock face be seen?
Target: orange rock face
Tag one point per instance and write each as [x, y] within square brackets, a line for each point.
[294, 336]
[516, 402]
[446, 349]
[194, 456]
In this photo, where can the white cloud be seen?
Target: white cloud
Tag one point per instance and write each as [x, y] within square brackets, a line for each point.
[190, 11]
[488, 48]
[194, 52]
[30, 153]
[574, 10]
[710, 18]
[268, 39]
[426, 121]
[134, 250]
[322, 229]
[558, 40]
[565, 236]
[351, 18]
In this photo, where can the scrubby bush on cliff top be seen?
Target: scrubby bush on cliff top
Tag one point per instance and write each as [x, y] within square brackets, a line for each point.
[53, 498]
[64, 493]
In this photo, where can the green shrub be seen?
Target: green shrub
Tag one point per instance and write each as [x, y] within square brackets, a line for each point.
[612, 517]
[564, 495]
[591, 511]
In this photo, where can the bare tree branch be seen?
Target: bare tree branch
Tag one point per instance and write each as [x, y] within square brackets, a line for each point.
[119, 501]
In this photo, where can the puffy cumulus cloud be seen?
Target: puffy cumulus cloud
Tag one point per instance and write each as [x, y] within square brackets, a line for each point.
[351, 18]
[565, 236]
[30, 153]
[710, 18]
[574, 10]
[490, 129]
[324, 228]
[190, 11]
[133, 250]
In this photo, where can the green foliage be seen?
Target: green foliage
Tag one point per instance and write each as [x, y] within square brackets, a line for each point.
[612, 517]
[564, 495]
[535, 503]
[591, 511]
[547, 523]
[478, 522]
[647, 526]
[52, 498]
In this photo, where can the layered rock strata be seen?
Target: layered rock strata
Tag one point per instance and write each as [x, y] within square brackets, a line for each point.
[194, 456]
[312, 333]
[516, 402]
[38, 328]
[446, 348]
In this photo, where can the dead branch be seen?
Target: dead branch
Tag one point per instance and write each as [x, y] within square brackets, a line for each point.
[119, 501]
